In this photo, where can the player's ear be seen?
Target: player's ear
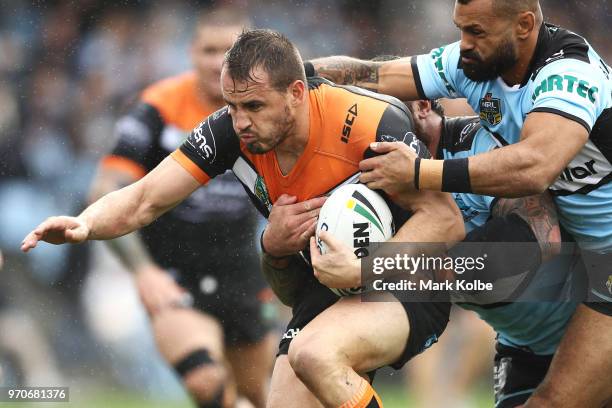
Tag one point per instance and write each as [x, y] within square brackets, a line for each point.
[298, 92]
[424, 108]
[526, 23]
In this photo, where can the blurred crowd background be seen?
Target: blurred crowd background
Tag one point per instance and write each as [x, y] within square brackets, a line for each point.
[66, 70]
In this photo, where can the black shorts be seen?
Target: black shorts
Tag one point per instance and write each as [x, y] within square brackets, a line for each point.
[427, 320]
[227, 283]
[598, 268]
[517, 373]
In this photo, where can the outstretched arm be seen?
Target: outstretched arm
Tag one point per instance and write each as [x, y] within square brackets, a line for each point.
[122, 211]
[394, 77]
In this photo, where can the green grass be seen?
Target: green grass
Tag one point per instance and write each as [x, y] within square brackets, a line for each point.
[394, 396]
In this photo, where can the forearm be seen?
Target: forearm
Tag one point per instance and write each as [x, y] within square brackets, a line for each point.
[118, 213]
[348, 71]
[513, 171]
[392, 77]
[435, 218]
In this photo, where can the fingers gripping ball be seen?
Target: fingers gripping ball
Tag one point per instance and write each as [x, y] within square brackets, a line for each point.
[357, 217]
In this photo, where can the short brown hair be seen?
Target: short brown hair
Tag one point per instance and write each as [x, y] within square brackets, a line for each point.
[269, 50]
[510, 7]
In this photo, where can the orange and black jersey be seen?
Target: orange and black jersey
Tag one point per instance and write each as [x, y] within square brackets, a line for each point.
[155, 126]
[343, 122]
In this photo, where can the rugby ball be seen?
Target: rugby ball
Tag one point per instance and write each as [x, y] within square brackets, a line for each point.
[357, 216]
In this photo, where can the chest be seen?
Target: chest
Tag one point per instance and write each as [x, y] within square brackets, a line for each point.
[502, 109]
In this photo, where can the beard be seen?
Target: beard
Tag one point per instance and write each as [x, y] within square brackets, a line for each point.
[281, 130]
[504, 58]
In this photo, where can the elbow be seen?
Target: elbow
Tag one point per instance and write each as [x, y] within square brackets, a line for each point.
[537, 182]
[453, 222]
[537, 174]
[533, 186]
[449, 219]
[146, 214]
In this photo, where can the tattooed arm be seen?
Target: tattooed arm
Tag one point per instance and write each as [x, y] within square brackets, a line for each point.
[392, 77]
[540, 213]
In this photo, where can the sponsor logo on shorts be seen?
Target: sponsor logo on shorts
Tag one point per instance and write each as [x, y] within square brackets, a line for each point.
[500, 375]
[291, 333]
[431, 340]
[609, 284]
[490, 109]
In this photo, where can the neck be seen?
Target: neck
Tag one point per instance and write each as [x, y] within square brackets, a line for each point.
[206, 98]
[289, 150]
[434, 129]
[526, 51]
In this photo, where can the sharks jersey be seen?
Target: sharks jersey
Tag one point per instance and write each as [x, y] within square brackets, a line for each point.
[566, 77]
[536, 326]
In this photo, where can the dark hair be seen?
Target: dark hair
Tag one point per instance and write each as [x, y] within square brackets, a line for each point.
[269, 50]
[510, 7]
[437, 107]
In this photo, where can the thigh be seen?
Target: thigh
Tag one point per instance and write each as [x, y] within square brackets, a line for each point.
[179, 331]
[579, 374]
[286, 390]
[366, 334]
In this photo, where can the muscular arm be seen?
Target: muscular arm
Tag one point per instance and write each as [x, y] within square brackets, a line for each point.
[389, 77]
[129, 248]
[119, 212]
[139, 204]
[540, 214]
[548, 143]
[435, 218]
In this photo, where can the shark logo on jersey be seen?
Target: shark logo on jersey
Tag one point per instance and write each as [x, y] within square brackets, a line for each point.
[490, 109]
[556, 56]
[466, 132]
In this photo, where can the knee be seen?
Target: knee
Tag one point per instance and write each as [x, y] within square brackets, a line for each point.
[311, 360]
[204, 378]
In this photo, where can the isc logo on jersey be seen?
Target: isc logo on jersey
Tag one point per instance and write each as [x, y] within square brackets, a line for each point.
[358, 217]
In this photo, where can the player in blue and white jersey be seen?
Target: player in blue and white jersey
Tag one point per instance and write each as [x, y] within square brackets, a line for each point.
[528, 331]
[546, 94]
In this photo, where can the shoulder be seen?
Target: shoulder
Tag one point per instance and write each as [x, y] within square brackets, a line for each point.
[168, 91]
[558, 44]
[458, 133]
